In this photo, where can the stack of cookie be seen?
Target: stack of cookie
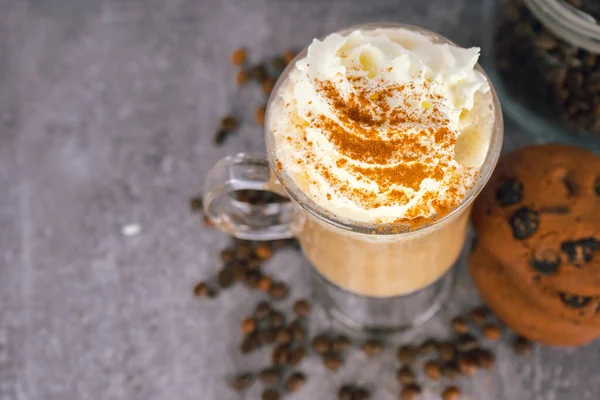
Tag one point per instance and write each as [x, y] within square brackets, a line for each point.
[537, 261]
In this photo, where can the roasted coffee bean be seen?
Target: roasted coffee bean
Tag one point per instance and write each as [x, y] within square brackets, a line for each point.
[321, 344]
[446, 351]
[428, 347]
[405, 375]
[478, 315]
[259, 115]
[450, 370]
[270, 394]
[451, 393]
[266, 336]
[229, 123]
[295, 382]
[467, 364]
[524, 222]
[263, 251]
[297, 330]
[263, 309]
[280, 355]
[279, 290]
[410, 392]
[574, 301]
[264, 284]
[406, 354]
[372, 347]
[252, 265]
[432, 370]
[267, 85]
[580, 251]
[546, 261]
[225, 277]
[483, 358]
[283, 336]
[196, 204]
[341, 343]
[346, 392]
[270, 376]
[301, 308]
[243, 251]
[242, 381]
[257, 73]
[241, 77]
[227, 255]
[288, 56]
[466, 342]
[510, 192]
[202, 290]
[238, 57]
[332, 361]
[522, 346]
[248, 325]
[492, 332]
[277, 319]
[360, 393]
[238, 271]
[297, 355]
[252, 279]
[459, 325]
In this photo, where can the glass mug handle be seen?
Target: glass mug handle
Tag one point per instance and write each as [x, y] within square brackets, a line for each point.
[240, 219]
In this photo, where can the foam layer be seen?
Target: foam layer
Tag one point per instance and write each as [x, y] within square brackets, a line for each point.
[384, 125]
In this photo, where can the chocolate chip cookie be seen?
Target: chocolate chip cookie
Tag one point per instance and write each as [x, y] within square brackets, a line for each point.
[540, 216]
[516, 309]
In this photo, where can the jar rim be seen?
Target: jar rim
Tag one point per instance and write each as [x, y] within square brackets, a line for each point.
[565, 22]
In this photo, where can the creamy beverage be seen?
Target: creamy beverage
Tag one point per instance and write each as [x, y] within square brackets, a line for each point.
[387, 128]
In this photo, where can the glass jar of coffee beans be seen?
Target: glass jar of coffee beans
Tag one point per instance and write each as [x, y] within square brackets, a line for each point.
[544, 56]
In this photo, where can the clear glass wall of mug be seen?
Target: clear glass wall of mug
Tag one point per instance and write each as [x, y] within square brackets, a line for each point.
[373, 278]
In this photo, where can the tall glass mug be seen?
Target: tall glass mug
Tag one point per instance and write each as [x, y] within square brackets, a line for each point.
[368, 277]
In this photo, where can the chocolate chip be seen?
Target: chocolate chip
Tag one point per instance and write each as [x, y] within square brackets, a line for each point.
[405, 375]
[270, 394]
[295, 382]
[432, 370]
[332, 361]
[242, 381]
[321, 344]
[372, 347]
[510, 192]
[573, 301]
[569, 183]
[546, 261]
[582, 250]
[466, 342]
[406, 354]
[597, 186]
[459, 325]
[341, 343]
[410, 392]
[524, 223]
[522, 346]
[270, 375]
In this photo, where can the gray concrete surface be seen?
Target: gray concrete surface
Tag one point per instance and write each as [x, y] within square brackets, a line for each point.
[107, 109]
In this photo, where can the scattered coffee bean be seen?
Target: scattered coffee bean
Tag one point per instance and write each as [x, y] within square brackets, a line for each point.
[243, 251]
[264, 284]
[252, 265]
[301, 308]
[262, 310]
[451, 393]
[196, 204]
[466, 342]
[484, 358]
[252, 279]
[202, 290]
[321, 344]
[288, 56]
[372, 347]
[446, 351]
[226, 255]
[522, 346]
[278, 290]
[297, 330]
[346, 392]
[239, 272]
[270, 375]
[459, 325]
[263, 251]
[266, 336]
[428, 347]
[277, 319]
[341, 343]
[432, 370]
[467, 365]
[332, 361]
[295, 382]
[241, 77]
[450, 370]
[270, 394]
[248, 325]
[229, 123]
[225, 277]
[259, 115]
[280, 355]
[406, 354]
[492, 332]
[405, 375]
[250, 343]
[258, 73]
[267, 85]
[360, 393]
[410, 392]
[297, 355]
[242, 381]
[238, 57]
[283, 336]
[478, 315]
[279, 64]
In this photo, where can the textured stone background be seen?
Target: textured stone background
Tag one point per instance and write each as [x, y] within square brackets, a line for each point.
[107, 109]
